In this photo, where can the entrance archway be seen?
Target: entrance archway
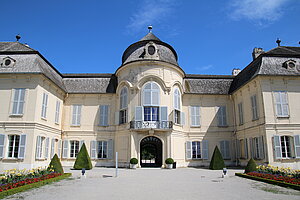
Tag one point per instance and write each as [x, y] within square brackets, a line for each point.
[151, 152]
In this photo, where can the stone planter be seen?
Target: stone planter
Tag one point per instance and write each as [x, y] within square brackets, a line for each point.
[133, 166]
[169, 166]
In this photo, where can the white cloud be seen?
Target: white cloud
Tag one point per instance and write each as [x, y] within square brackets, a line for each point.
[204, 68]
[257, 10]
[150, 12]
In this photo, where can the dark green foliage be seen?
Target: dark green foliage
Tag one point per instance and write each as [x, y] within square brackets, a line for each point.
[251, 166]
[55, 164]
[217, 161]
[169, 161]
[134, 161]
[83, 159]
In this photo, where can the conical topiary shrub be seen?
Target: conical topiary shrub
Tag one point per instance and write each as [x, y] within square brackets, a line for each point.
[251, 166]
[217, 161]
[83, 159]
[56, 165]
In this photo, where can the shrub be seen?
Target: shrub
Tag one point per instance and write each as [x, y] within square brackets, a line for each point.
[217, 161]
[169, 161]
[83, 159]
[134, 161]
[55, 164]
[251, 166]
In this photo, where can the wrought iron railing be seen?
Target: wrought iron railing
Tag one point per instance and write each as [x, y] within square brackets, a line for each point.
[151, 125]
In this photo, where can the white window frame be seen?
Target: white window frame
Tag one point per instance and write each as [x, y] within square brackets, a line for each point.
[154, 88]
[241, 113]
[222, 114]
[40, 147]
[74, 148]
[254, 107]
[195, 116]
[281, 103]
[14, 147]
[177, 97]
[18, 101]
[102, 143]
[123, 105]
[44, 106]
[198, 150]
[76, 114]
[57, 111]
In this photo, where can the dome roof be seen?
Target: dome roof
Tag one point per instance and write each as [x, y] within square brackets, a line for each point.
[150, 48]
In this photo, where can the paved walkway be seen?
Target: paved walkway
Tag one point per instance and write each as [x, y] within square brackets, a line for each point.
[182, 183]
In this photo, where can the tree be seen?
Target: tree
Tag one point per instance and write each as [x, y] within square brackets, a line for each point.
[251, 166]
[217, 161]
[83, 159]
[56, 165]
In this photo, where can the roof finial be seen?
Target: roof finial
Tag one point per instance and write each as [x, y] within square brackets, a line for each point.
[150, 28]
[18, 37]
[278, 41]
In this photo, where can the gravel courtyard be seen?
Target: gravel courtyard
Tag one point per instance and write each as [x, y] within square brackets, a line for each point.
[182, 183]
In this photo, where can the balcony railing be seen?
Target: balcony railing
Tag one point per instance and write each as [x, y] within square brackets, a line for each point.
[151, 125]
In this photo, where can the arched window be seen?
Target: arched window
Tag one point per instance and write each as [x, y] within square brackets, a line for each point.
[177, 115]
[151, 97]
[123, 105]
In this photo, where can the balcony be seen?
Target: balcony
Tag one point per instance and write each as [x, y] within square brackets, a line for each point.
[146, 125]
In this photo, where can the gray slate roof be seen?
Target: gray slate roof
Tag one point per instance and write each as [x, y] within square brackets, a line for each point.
[150, 36]
[14, 47]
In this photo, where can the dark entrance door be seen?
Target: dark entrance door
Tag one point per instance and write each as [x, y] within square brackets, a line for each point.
[151, 152]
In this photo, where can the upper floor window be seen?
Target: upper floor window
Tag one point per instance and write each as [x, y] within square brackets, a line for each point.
[76, 115]
[177, 99]
[254, 107]
[241, 113]
[195, 115]
[104, 109]
[281, 103]
[123, 105]
[57, 109]
[18, 101]
[44, 105]
[151, 94]
[221, 114]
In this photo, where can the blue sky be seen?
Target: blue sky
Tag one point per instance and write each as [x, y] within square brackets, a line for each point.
[210, 37]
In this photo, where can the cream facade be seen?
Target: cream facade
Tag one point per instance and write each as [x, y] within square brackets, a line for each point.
[149, 109]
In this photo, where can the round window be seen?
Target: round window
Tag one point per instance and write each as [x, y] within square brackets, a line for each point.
[7, 62]
[291, 65]
[151, 50]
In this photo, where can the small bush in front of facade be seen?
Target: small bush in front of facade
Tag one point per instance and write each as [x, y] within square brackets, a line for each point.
[134, 161]
[251, 166]
[169, 161]
[83, 159]
[217, 161]
[55, 164]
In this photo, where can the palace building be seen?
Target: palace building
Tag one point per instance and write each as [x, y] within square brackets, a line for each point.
[149, 109]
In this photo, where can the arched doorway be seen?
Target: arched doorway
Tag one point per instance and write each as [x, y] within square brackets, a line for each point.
[151, 152]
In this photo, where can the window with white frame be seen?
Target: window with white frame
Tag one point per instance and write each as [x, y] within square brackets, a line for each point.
[281, 103]
[57, 109]
[195, 115]
[257, 147]
[241, 113]
[104, 110]
[41, 147]
[18, 101]
[16, 146]
[197, 150]
[44, 106]
[221, 114]
[225, 149]
[123, 105]
[102, 149]
[151, 99]
[13, 146]
[76, 115]
[74, 148]
[177, 102]
[254, 107]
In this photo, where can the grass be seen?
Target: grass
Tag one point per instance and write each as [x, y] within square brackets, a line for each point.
[33, 185]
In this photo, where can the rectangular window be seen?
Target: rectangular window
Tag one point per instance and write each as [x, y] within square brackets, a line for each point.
[195, 115]
[286, 146]
[225, 149]
[76, 116]
[104, 115]
[254, 107]
[44, 106]
[281, 103]
[196, 150]
[74, 148]
[39, 147]
[221, 114]
[151, 113]
[177, 116]
[18, 101]
[57, 112]
[13, 146]
[123, 116]
[241, 113]
[102, 149]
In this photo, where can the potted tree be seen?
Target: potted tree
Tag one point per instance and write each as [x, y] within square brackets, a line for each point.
[169, 163]
[133, 163]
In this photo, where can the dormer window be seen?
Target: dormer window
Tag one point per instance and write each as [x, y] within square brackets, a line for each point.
[290, 64]
[7, 62]
[151, 51]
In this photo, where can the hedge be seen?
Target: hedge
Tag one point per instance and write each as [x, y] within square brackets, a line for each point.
[279, 183]
[33, 185]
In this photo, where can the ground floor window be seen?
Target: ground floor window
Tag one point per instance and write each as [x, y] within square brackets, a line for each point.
[102, 149]
[123, 116]
[13, 146]
[286, 146]
[74, 148]
[196, 150]
[243, 147]
[225, 149]
[151, 113]
[257, 147]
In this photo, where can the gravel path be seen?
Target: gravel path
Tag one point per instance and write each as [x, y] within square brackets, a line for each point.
[182, 183]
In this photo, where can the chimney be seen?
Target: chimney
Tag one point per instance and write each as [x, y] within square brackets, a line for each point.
[256, 52]
[235, 71]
